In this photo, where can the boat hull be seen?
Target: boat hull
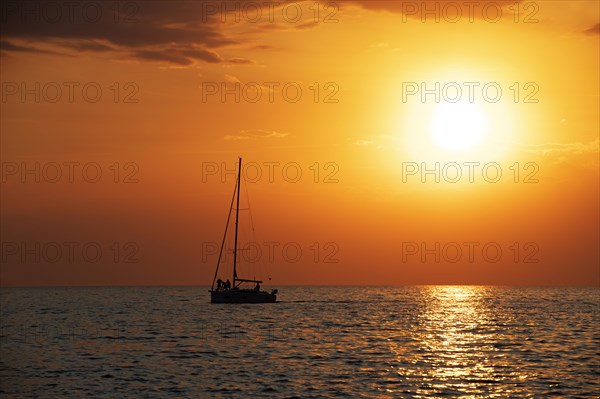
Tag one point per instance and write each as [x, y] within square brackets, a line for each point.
[242, 296]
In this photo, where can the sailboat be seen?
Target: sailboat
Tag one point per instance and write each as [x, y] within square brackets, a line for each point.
[241, 290]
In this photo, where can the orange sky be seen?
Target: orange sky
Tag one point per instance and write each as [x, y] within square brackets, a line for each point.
[361, 212]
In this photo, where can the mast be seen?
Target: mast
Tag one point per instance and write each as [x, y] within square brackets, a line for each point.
[237, 213]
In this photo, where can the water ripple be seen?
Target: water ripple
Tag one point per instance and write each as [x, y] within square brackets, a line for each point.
[419, 342]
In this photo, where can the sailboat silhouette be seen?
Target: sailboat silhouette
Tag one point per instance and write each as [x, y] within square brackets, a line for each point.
[225, 292]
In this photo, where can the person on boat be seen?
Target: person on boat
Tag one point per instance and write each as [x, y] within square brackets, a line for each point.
[257, 287]
[227, 285]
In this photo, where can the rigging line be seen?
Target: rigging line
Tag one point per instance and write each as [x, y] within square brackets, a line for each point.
[261, 265]
[249, 208]
[224, 237]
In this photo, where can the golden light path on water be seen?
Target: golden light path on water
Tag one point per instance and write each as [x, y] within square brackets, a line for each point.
[457, 342]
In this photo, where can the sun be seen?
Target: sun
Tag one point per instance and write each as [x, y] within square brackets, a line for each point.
[459, 126]
[470, 129]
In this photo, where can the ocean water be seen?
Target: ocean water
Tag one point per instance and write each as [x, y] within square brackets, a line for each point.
[317, 342]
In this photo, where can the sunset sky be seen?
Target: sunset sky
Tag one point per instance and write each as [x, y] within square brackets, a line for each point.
[165, 137]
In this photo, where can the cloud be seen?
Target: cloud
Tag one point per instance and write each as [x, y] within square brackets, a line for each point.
[241, 61]
[180, 32]
[416, 9]
[179, 55]
[262, 47]
[379, 45]
[88, 45]
[256, 134]
[200, 54]
[170, 57]
[560, 150]
[9, 46]
[307, 25]
[231, 79]
[274, 26]
[363, 143]
[287, 26]
[594, 30]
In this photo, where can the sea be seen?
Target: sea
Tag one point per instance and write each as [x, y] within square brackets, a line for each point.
[315, 342]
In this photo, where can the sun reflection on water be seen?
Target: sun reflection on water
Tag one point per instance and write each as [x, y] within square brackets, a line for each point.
[455, 348]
